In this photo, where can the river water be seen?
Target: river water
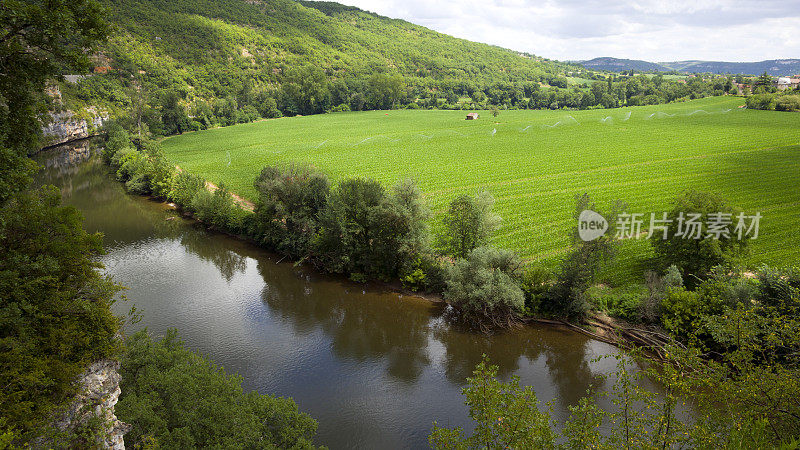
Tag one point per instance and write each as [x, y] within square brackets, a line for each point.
[375, 368]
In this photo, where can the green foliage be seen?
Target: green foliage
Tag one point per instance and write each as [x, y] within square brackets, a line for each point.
[788, 103]
[694, 250]
[506, 414]
[56, 307]
[289, 203]
[42, 39]
[483, 289]
[365, 230]
[468, 224]
[174, 398]
[218, 209]
[567, 297]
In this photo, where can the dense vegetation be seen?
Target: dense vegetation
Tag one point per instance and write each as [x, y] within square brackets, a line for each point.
[174, 398]
[55, 304]
[56, 316]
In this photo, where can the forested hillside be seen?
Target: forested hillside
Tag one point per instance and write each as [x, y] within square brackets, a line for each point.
[182, 65]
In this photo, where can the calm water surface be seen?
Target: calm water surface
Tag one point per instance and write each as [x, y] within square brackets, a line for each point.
[374, 368]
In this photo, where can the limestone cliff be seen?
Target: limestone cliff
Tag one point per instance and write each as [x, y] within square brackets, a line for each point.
[98, 394]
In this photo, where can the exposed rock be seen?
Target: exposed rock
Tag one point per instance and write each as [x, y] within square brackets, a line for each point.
[67, 126]
[99, 393]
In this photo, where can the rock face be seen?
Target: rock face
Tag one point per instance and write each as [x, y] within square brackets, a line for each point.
[67, 126]
[98, 395]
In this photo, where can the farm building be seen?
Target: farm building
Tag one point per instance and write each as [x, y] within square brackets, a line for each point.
[473, 116]
[783, 83]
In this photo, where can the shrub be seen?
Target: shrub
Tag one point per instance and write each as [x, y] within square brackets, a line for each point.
[344, 107]
[650, 309]
[535, 282]
[696, 256]
[482, 287]
[184, 188]
[761, 101]
[218, 209]
[567, 296]
[788, 103]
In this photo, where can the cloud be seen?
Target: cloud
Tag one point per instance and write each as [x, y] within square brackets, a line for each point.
[655, 30]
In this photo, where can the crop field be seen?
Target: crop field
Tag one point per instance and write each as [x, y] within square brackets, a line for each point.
[535, 162]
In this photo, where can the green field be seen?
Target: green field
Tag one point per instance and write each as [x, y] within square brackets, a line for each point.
[535, 162]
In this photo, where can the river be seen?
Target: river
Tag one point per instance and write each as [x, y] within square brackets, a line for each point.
[375, 368]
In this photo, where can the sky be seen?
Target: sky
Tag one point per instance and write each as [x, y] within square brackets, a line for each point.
[717, 30]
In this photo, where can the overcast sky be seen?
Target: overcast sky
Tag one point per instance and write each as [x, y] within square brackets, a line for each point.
[720, 30]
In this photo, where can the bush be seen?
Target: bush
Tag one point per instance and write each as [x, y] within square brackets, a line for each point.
[761, 101]
[184, 188]
[290, 200]
[219, 209]
[788, 103]
[535, 282]
[696, 256]
[427, 273]
[344, 107]
[174, 398]
[483, 290]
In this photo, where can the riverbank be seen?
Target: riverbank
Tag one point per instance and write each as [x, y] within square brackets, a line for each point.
[375, 367]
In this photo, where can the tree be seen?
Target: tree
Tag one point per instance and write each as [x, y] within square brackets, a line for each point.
[56, 305]
[468, 224]
[369, 233]
[385, 91]
[290, 200]
[693, 249]
[506, 415]
[306, 91]
[174, 398]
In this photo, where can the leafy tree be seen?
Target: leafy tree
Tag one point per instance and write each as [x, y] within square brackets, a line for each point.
[174, 398]
[56, 316]
[694, 250]
[468, 224]
[483, 288]
[506, 415]
[369, 233]
[385, 91]
[56, 307]
[306, 91]
[289, 203]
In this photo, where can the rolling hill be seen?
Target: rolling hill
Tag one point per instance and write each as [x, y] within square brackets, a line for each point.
[775, 67]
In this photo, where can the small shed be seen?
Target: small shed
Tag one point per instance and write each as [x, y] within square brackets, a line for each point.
[472, 116]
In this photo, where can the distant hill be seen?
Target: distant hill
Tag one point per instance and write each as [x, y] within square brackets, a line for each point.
[775, 67]
[618, 65]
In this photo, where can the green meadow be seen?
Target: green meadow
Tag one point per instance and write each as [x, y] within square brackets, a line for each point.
[535, 162]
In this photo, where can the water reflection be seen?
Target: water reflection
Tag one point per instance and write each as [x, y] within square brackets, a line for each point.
[375, 368]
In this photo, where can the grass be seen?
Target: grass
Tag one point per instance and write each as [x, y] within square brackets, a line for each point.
[535, 162]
